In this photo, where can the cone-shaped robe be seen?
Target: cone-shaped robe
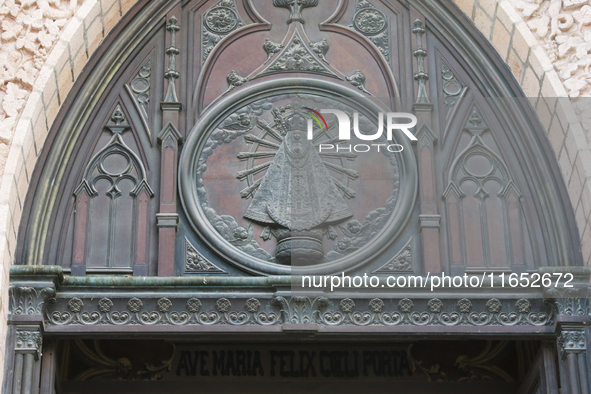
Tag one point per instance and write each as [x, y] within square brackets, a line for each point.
[297, 192]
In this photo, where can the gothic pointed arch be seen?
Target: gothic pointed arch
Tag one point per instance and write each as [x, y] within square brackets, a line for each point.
[213, 93]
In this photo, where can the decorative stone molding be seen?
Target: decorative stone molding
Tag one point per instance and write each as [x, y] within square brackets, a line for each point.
[570, 301]
[28, 300]
[572, 341]
[28, 340]
[196, 263]
[374, 25]
[206, 311]
[401, 262]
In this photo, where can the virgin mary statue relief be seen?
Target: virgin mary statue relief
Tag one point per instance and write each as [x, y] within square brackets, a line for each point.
[297, 198]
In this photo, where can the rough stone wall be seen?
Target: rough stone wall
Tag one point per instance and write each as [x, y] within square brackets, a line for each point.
[44, 44]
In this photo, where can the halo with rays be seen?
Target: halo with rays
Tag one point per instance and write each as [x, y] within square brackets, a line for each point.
[265, 139]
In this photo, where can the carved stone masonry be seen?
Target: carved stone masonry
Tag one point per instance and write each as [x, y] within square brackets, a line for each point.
[569, 301]
[27, 300]
[195, 262]
[374, 25]
[207, 311]
[572, 341]
[402, 262]
[28, 341]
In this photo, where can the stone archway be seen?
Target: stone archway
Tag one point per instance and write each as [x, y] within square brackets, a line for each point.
[62, 39]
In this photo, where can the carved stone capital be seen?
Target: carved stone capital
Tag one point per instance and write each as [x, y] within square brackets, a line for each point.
[28, 340]
[570, 296]
[30, 299]
[572, 340]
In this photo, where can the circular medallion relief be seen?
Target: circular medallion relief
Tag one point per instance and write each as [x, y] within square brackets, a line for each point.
[271, 186]
[221, 20]
[370, 21]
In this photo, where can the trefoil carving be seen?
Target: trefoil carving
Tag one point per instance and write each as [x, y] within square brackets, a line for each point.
[484, 206]
[98, 170]
[114, 188]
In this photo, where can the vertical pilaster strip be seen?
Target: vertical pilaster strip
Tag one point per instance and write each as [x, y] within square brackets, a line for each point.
[27, 349]
[429, 218]
[169, 138]
[548, 373]
[24, 339]
[48, 368]
[573, 347]
[83, 195]
[142, 205]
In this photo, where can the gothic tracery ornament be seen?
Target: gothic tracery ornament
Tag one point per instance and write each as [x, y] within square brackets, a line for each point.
[140, 88]
[451, 88]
